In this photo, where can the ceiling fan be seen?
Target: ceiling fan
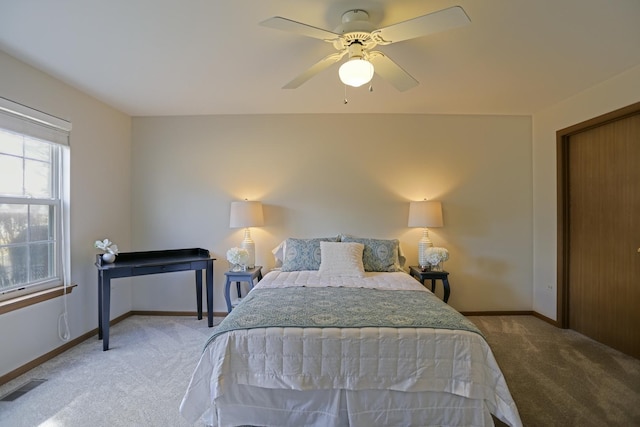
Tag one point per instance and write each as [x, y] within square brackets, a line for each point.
[356, 36]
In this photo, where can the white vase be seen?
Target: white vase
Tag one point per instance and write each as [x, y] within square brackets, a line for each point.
[108, 257]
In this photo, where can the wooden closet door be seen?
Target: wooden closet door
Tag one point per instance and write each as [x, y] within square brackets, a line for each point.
[604, 233]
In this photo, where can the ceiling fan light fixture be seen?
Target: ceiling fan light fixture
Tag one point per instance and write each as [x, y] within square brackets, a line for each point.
[356, 72]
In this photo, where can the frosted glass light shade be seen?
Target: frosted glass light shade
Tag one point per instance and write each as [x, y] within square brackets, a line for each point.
[356, 72]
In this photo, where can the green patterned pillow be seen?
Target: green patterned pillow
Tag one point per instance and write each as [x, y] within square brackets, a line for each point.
[303, 254]
[379, 254]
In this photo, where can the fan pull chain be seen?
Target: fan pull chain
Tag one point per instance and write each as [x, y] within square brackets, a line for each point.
[346, 100]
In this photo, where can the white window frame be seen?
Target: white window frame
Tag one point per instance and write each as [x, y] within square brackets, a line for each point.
[22, 120]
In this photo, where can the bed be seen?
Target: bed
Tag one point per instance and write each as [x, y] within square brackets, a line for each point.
[341, 345]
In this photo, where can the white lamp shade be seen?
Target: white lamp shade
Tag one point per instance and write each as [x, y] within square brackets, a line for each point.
[246, 214]
[356, 72]
[426, 213]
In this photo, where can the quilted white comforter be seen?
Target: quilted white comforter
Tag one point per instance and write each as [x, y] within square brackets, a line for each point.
[338, 374]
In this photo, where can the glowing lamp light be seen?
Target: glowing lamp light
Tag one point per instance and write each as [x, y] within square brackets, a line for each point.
[356, 72]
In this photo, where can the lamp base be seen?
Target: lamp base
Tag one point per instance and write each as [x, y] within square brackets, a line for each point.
[250, 246]
[423, 244]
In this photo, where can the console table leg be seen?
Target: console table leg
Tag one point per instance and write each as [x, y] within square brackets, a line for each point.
[99, 304]
[210, 293]
[199, 293]
[106, 310]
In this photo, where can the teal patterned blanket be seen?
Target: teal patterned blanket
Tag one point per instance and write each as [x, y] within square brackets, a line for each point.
[338, 307]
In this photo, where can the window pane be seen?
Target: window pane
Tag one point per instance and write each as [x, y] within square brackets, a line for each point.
[30, 169]
[13, 224]
[38, 150]
[40, 223]
[5, 274]
[13, 270]
[10, 143]
[41, 256]
[37, 178]
[11, 176]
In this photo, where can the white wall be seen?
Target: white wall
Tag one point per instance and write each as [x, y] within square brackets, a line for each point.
[324, 174]
[100, 207]
[610, 95]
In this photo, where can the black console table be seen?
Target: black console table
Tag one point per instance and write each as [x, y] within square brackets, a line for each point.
[128, 264]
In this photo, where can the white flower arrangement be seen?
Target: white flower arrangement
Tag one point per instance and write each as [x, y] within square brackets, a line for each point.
[435, 256]
[107, 246]
[238, 256]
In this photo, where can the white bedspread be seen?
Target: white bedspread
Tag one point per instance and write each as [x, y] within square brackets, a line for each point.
[415, 360]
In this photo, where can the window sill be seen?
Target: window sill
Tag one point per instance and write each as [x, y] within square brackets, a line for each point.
[34, 298]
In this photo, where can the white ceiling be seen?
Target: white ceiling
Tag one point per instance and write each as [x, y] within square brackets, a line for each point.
[171, 57]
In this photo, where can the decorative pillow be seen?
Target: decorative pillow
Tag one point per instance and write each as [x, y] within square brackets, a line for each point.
[278, 253]
[303, 254]
[379, 254]
[401, 257]
[341, 259]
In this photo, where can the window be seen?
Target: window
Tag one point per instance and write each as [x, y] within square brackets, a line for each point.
[31, 200]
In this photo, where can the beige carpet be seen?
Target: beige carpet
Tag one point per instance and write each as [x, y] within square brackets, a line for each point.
[140, 381]
[561, 378]
[557, 377]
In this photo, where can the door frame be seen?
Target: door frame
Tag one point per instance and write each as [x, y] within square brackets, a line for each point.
[563, 137]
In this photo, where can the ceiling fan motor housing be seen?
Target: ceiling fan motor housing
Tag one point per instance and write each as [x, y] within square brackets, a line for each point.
[356, 50]
[355, 30]
[356, 20]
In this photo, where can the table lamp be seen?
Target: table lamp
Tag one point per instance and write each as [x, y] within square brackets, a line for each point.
[425, 214]
[247, 214]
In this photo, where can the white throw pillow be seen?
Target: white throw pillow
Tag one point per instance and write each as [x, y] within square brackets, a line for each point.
[278, 253]
[341, 259]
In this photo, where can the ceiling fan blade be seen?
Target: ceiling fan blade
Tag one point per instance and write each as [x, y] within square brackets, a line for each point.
[284, 24]
[392, 72]
[431, 23]
[321, 65]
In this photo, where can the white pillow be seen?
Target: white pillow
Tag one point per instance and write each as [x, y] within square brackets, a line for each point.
[278, 253]
[341, 259]
[401, 257]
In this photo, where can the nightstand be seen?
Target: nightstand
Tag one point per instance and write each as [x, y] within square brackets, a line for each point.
[421, 276]
[249, 275]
